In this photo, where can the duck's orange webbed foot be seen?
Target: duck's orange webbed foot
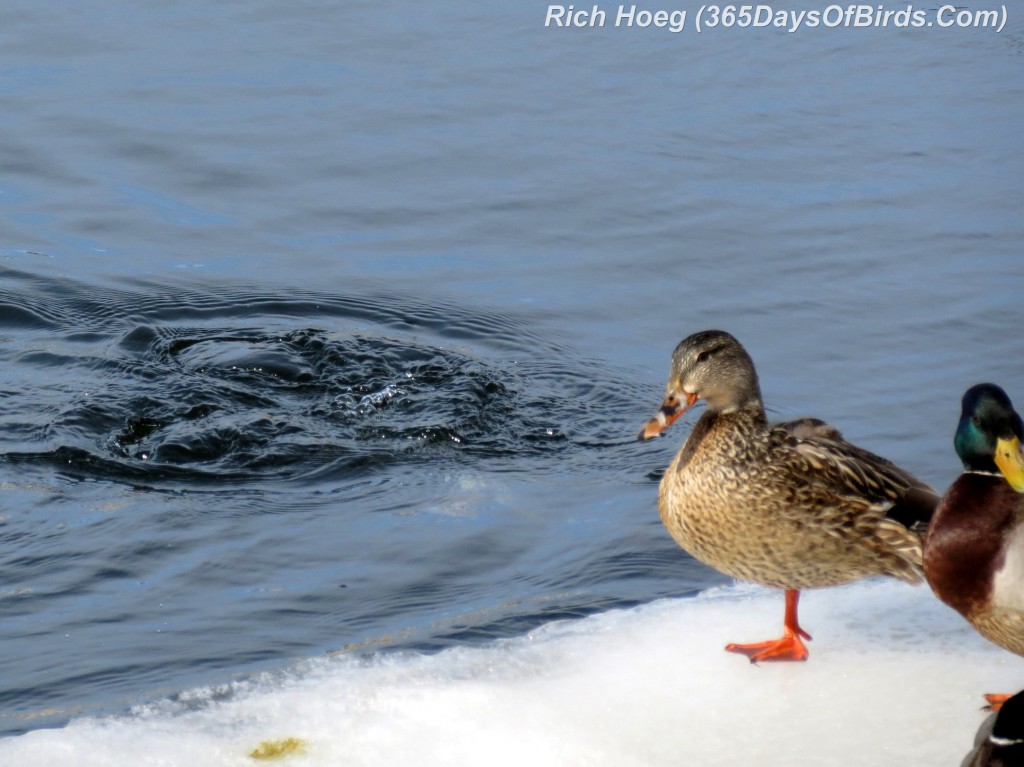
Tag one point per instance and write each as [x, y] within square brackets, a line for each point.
[996, 700]
[786, 647]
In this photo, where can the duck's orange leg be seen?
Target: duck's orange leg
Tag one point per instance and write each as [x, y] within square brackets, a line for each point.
[996, 700]
[786, 647]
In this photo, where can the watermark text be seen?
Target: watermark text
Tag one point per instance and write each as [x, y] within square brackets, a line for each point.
[714, 16]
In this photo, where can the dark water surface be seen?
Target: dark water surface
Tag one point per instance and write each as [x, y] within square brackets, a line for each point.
[209, 480]
[331, 326]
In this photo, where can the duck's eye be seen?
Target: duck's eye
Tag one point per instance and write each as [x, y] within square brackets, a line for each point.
[706, 353]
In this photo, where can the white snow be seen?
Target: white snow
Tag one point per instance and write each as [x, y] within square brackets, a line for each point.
[894, 678]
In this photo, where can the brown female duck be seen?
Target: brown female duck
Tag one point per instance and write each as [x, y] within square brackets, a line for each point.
[974, 552]
[793, 506]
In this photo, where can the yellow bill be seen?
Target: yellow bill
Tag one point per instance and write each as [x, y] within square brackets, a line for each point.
[1010, 461]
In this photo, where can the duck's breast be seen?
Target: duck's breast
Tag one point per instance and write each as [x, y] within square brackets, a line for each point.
[1008, 579]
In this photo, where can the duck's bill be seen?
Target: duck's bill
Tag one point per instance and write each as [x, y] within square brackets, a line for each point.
[669, 412]
[1010, 461]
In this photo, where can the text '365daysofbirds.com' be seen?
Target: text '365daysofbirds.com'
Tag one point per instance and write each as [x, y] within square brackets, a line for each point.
[760, 16]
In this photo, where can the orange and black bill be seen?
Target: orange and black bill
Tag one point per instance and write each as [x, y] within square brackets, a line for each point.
[671, 408]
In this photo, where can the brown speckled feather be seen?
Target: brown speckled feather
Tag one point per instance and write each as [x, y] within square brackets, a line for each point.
[793, 506]
[762, 504]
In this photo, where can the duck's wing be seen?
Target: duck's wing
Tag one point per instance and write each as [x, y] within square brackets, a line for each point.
[810, 428]
[849, 470]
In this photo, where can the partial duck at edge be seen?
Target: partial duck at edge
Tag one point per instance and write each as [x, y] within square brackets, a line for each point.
[974, 550]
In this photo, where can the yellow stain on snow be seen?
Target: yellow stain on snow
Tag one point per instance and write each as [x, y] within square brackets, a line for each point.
[278, 749]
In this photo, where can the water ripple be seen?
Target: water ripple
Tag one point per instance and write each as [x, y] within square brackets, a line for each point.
[190, 386]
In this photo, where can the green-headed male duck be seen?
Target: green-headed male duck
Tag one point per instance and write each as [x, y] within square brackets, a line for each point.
[974, 551]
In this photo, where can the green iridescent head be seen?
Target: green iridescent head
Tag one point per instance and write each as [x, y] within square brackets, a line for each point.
[989, 435]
